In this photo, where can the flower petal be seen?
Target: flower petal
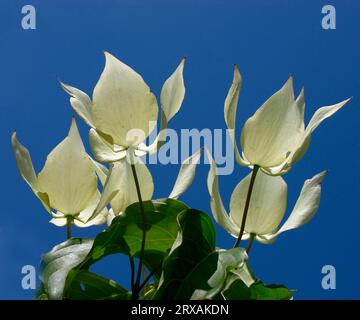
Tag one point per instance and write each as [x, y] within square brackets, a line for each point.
[82, 220]
[267, 203]
[102, 149]
[27, 172]
[119, 189]
[171, 98]
[319, 116]
[230, 108]
[307, 204]
[68, 176]
[186, 175]
[216, 204]
[173, 92]
[274, 130]
[24, 163]
[80, 102]
[101, 171]
[123, 106]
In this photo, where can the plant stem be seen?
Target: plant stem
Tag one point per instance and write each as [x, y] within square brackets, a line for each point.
[132, 266]
[142, 212]
[247, 203]
[149, 276]
[251, 241]
[68, 226]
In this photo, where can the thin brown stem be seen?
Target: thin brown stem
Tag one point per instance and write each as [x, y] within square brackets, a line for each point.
[251, 241]
[247, 204]
[68, 227]
[142, 249]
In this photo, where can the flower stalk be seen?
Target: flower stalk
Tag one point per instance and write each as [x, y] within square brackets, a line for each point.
[68, 226]
[247, 204]
[142, 213]
[251, 241]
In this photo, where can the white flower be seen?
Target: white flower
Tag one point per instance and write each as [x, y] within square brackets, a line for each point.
[267, 205]
[67, 183]
[275, 137]
[122, 114]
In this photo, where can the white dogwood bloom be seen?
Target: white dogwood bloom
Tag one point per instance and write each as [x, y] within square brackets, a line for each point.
[275, 137]
[267, 206]
[67, 183]
[122, 113]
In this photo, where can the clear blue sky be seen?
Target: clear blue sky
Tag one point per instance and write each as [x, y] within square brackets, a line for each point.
[269, 40]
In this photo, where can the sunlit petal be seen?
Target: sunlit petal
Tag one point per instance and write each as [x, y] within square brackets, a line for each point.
[216, 204]
[267, 204]
[80, 102]
[122, 103]
[274, 130]
[68, 176]
[102, 149]
[186, 175]
[230, 108]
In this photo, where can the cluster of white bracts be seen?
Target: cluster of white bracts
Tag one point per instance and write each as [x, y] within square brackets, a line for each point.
[122, 114]
[273, 139]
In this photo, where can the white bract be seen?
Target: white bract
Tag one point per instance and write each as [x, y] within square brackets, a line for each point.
[267, 206]
[67, 183]
[122, 113]
[275, 137]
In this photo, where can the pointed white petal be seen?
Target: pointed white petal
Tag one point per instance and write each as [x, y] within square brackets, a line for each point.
[120, 190]
[186, 175]
[274, 130]
[307, 204]
[68, 176]
[173, 92]
[323, 113]
[127, 194]
[319, 116]
[24, 163]
[102, 149]
[123, 106]
[267, 203]
[110, 189]
[82, 220]
[27, 172]
[216, 204]
[59, 222]
[230, 108]
[300, 102]
[171, 98]
[80, 102]
[101, 171]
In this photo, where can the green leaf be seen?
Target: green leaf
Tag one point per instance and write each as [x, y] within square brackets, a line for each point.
[237, 290]
[125, 233]
[193, 258]
[57, 263]
[86, 285]
[259, 291]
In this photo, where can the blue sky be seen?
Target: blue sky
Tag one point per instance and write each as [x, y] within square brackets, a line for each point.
[269, 40]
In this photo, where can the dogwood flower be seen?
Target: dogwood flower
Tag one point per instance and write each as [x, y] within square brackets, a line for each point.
[67, 183]
[275, 137]
[122, 113]
[267, 206]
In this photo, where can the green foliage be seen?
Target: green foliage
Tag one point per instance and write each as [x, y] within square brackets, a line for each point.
[125, 233]
[180, 251]
[86, 285]
[238, 290]
[193, 258]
